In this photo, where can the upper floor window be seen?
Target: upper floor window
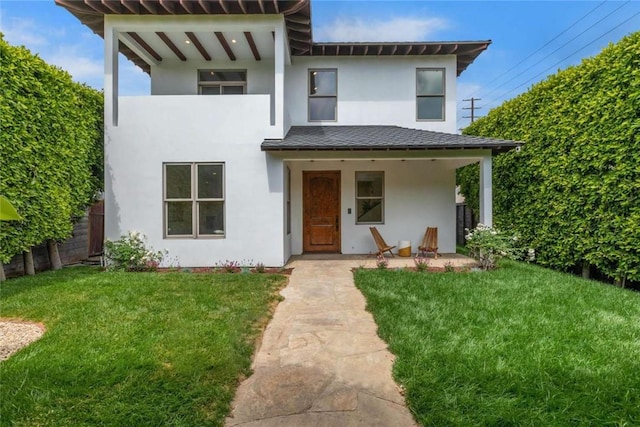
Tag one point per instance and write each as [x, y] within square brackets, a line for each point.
[222, 82]
[194, 200]
[430, 93]
[323, 95]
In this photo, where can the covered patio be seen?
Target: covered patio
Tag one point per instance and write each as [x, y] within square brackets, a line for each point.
[341, 180]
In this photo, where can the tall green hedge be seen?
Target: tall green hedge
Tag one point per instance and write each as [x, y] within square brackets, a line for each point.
[573, 191]
[50, 149]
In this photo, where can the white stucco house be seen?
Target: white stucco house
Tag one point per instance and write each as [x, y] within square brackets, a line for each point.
[258, 143]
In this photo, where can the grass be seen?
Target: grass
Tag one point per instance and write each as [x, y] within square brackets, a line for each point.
[131, 348]
[521, 345]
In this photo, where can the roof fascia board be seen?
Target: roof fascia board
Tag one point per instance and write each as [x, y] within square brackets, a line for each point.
[441, 154]
[193, 23]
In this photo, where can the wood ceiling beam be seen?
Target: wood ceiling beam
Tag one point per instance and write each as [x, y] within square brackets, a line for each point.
[169, 6]
[205, 5]
[242, 6]
[97, 6]
[188, 6]
[275, 5]
[225, 45]
[198, 45]
[143, 44]
[132, 6]
[114, 6]
[252, 45]
[150, 5]
[171, 45]
[261, 5]
[223, 6]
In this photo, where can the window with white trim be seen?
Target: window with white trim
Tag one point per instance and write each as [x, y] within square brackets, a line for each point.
[194, 200]
[369, 197]
[222, 82]
[430, 94]
[323, 95]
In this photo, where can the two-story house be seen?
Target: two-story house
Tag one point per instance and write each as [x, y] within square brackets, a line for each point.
[257, 143]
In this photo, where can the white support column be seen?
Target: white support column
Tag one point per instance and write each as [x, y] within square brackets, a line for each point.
[486, 191]
[279, 61]
[110, 74]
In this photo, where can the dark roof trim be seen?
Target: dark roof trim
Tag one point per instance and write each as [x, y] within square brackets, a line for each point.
[466, 51]
[379, 138]
[297, 16]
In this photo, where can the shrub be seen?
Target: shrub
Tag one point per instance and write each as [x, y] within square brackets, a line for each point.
[130, 253]
[421, 262]
[381, 262]
[487, 245]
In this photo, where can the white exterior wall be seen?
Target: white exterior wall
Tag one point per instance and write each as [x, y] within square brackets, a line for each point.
[418, 194]
[158, 129]
[372, 90]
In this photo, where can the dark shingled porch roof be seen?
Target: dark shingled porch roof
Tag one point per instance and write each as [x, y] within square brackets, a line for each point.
[350, 138]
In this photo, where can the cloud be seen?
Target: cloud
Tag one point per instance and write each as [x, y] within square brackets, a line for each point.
[394, 29]
[25, 32]
[82, 67]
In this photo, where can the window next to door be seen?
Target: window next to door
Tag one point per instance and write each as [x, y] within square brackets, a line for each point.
[369, 197]
[430, 94]
[222, 82]
[194, 200]
[323, 95]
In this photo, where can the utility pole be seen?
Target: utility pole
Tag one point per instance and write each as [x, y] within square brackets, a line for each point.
[473, 108]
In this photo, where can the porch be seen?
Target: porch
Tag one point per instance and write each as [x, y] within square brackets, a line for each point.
[457, 261]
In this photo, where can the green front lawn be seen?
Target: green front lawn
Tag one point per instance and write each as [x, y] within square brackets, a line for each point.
[521, 345]
[131, 348]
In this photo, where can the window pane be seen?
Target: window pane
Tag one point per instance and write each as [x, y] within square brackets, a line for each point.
[210, 181]
[323, 83]
[369, 210]
[322, 108]
[222, 76]
[211, 219]
[431, 108]
[179, 218]
[430, 82]
[369, 184]
[178, 181]
[210, 90]
[233, 90]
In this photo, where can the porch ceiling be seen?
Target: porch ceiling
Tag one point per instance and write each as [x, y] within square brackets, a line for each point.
[157, 46]
[379, 138]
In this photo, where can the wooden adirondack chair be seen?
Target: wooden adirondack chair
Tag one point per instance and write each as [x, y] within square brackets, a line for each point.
[380, 243]
[430, 242]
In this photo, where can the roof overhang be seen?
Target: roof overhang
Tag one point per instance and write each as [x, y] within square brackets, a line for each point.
[297, 17]
[380, 138]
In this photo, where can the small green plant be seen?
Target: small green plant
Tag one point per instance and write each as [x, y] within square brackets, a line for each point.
[130, 253]
[448, 267]
[487, 245]
[381, 262]
[421, 262]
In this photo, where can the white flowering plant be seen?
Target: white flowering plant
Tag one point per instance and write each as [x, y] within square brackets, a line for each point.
[487, 245]
[130, 253]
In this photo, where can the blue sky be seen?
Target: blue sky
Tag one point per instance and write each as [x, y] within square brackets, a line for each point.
[531, 39]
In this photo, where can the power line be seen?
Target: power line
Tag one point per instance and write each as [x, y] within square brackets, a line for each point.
[473, 108]
[566, 57]
[548, 55]
[548, 43]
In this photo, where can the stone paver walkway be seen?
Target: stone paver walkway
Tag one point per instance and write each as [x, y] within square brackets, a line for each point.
[321, 362]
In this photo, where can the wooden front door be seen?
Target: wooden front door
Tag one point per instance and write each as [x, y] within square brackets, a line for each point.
[321, 207]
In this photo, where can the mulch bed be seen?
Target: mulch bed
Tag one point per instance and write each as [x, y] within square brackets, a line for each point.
[221, 270]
